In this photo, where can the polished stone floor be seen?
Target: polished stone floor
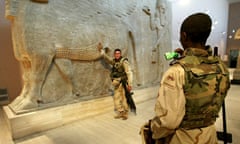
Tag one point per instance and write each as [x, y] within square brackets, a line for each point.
[103, 129]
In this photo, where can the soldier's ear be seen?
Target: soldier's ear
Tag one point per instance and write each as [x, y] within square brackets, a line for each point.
[184, 39]
[184, 36]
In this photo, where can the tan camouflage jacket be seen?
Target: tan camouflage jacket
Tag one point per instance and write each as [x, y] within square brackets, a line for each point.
[170, 110]
[126, 66]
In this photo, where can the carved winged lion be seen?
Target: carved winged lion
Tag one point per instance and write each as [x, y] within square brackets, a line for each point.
[54, 32]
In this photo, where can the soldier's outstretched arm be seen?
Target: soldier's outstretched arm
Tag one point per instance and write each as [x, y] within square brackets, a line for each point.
[103, 53]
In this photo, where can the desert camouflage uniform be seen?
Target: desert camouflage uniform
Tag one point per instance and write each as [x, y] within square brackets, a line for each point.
[120, 101]
[190, 97]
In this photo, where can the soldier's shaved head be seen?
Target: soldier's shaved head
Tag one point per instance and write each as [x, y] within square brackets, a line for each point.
[197, 27]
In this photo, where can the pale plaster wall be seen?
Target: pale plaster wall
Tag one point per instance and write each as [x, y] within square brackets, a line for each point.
[218, 11]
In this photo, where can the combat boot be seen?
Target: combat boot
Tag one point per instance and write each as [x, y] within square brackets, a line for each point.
[119, 115]
[125, 115]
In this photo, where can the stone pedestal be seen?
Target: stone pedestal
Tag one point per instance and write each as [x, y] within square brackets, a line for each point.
[29, 123]
[236, 77]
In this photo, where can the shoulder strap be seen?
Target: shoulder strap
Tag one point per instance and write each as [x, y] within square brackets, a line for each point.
[123, 59]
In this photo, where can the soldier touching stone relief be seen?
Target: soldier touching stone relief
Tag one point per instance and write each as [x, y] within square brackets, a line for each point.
[192, 91]
[121, 76]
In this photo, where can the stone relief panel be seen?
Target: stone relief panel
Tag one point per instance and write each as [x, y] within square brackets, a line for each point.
[56, 43]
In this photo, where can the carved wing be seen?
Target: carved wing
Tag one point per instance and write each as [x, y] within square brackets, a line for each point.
[76, 25]
[83, 10]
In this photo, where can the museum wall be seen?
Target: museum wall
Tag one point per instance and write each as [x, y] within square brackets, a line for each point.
[218, 11]
[145, 53]
[44, 31]
[10, 73]
[233, 45]
[56, 44]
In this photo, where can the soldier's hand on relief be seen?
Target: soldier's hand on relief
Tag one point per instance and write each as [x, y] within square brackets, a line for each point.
[99, 46]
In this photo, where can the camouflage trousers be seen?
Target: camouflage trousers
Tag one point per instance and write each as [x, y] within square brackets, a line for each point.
[120, 101]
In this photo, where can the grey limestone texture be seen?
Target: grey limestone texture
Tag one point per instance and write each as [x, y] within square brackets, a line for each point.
[56, 43]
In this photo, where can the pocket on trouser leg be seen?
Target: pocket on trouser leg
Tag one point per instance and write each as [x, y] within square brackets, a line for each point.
[116, 82]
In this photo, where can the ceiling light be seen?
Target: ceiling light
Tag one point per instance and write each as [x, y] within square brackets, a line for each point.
[237, 35]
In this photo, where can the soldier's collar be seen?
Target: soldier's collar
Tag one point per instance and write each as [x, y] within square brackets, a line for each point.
[196, 52]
